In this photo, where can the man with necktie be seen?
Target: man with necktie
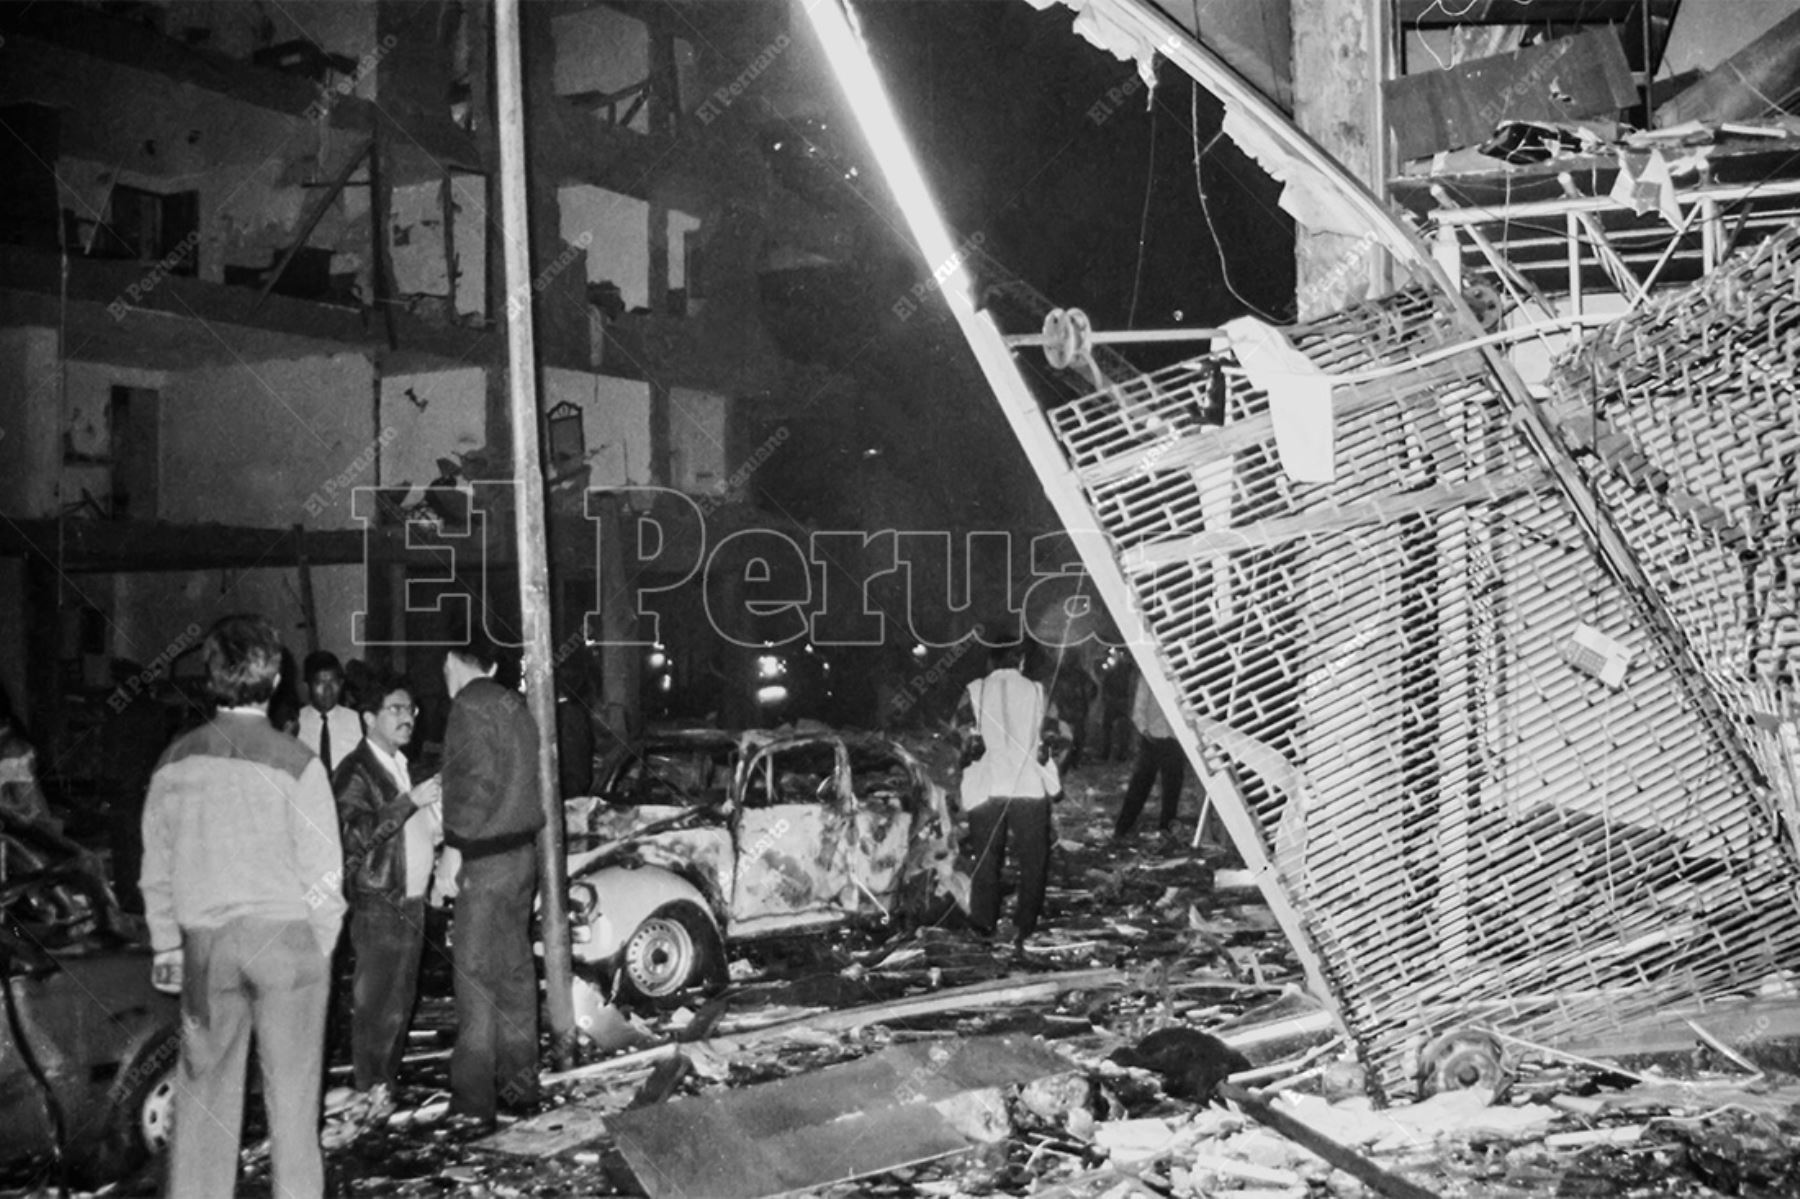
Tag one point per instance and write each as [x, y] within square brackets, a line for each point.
[329, 730]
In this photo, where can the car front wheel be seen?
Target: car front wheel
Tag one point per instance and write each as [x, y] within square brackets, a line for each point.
[668, 953]
[140, 1114]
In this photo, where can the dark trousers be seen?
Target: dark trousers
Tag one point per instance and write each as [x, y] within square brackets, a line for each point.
[495, 1059]
[268, 977]
[387, 937]
[1027, 821]
[1158, 757]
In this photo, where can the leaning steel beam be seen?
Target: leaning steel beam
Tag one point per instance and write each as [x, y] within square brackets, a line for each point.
[856, 73]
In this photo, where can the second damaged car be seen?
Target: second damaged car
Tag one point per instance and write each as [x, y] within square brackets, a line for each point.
[702, 838]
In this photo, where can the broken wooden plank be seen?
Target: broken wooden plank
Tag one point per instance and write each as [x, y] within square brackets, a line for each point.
[1352, 1163]
[1584, 75]
[1002, 992]
[321, 204]
[1741, 1024]
[549, 1133]
[905, 1105]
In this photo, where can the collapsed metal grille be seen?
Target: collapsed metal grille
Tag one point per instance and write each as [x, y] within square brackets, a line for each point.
[1690, 417]
[1480, 832]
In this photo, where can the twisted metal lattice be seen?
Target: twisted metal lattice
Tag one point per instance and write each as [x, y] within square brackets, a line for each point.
[1481, 833]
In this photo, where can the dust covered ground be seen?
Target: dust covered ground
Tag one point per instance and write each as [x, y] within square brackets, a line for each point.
[1145, 942]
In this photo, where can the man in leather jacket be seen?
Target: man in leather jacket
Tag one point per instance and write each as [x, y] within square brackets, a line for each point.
[390, 831]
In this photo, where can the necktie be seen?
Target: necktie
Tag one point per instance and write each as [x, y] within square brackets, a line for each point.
[325, 740]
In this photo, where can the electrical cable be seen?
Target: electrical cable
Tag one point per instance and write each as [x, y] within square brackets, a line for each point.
[1205, 208]
[1137, 277]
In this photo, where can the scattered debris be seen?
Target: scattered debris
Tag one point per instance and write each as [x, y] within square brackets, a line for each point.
[899, 1107]
[1123, 1021]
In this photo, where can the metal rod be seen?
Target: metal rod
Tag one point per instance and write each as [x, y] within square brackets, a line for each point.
[321, 202]
[534, 571]
[1123, 336]
[1485, 214]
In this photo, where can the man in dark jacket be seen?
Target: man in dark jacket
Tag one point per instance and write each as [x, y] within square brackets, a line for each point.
[492, 814]
[391, 830]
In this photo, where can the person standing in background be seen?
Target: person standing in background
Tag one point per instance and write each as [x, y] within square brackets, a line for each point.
[1116, 672]
[574, 729]
[1008, 783]
[492, 814]
[329, 730]
[241, 883]
[1072, 691]
[391, 831]
[1159, 756]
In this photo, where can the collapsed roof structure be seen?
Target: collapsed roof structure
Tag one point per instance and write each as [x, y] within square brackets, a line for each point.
[1488, 680]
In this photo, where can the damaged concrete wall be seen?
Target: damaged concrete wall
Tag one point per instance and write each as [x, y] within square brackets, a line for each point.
[249, 165]
[600, 50]
[269, 444]
[613, 232]
[1338, 54]
[697, 440]
[30, 393]
[615, 421]
[92, 449]
[154, 610]
[423, 255]
[242, 29]
[430, 415]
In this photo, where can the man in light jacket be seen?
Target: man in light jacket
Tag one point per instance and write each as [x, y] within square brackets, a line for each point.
[1007, 789]
[242, 892]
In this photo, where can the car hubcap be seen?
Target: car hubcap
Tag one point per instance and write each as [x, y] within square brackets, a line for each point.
[660, 956]
[156, 1119]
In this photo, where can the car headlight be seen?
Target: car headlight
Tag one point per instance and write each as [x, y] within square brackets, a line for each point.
[584, 901]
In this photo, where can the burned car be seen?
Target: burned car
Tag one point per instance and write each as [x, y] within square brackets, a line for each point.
[88, 1048]
[702, 838]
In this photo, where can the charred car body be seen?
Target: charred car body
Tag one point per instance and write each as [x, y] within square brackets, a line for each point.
[701, 838]
[88, 1049]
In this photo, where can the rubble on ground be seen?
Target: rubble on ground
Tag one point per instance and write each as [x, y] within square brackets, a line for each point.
[1142, 943]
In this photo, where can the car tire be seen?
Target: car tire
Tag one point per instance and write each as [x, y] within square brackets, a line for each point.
[140, 1113]
[671, 950]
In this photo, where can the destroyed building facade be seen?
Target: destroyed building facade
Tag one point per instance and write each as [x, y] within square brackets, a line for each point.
[254, 320]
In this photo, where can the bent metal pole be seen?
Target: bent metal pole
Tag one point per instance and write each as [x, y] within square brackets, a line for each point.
[534, 572]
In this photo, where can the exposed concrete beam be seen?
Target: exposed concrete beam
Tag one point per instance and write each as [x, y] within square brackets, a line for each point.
[1762, 78]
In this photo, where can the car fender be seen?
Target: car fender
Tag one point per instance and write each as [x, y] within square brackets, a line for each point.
[626, 895]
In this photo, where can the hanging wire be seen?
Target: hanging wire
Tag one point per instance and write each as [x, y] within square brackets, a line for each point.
[1137, 277]
[1205, 208]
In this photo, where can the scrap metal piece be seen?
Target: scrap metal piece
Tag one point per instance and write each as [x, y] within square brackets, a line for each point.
[903, 1106]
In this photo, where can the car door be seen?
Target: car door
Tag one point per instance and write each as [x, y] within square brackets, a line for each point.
[792, 832]
[884, 797]
[659, 783]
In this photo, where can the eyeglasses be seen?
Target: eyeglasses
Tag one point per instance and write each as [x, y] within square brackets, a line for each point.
[400, 709]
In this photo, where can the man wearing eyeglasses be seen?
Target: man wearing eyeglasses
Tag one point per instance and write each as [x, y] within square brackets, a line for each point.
[391, 830]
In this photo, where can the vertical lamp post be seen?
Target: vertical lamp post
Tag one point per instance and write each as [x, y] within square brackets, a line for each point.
[534, 570]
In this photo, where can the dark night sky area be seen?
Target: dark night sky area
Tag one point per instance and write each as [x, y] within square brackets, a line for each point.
[1000, 101]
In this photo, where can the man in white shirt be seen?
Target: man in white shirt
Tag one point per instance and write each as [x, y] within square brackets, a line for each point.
[391, 831]
[326, 728]
[1010, 731]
